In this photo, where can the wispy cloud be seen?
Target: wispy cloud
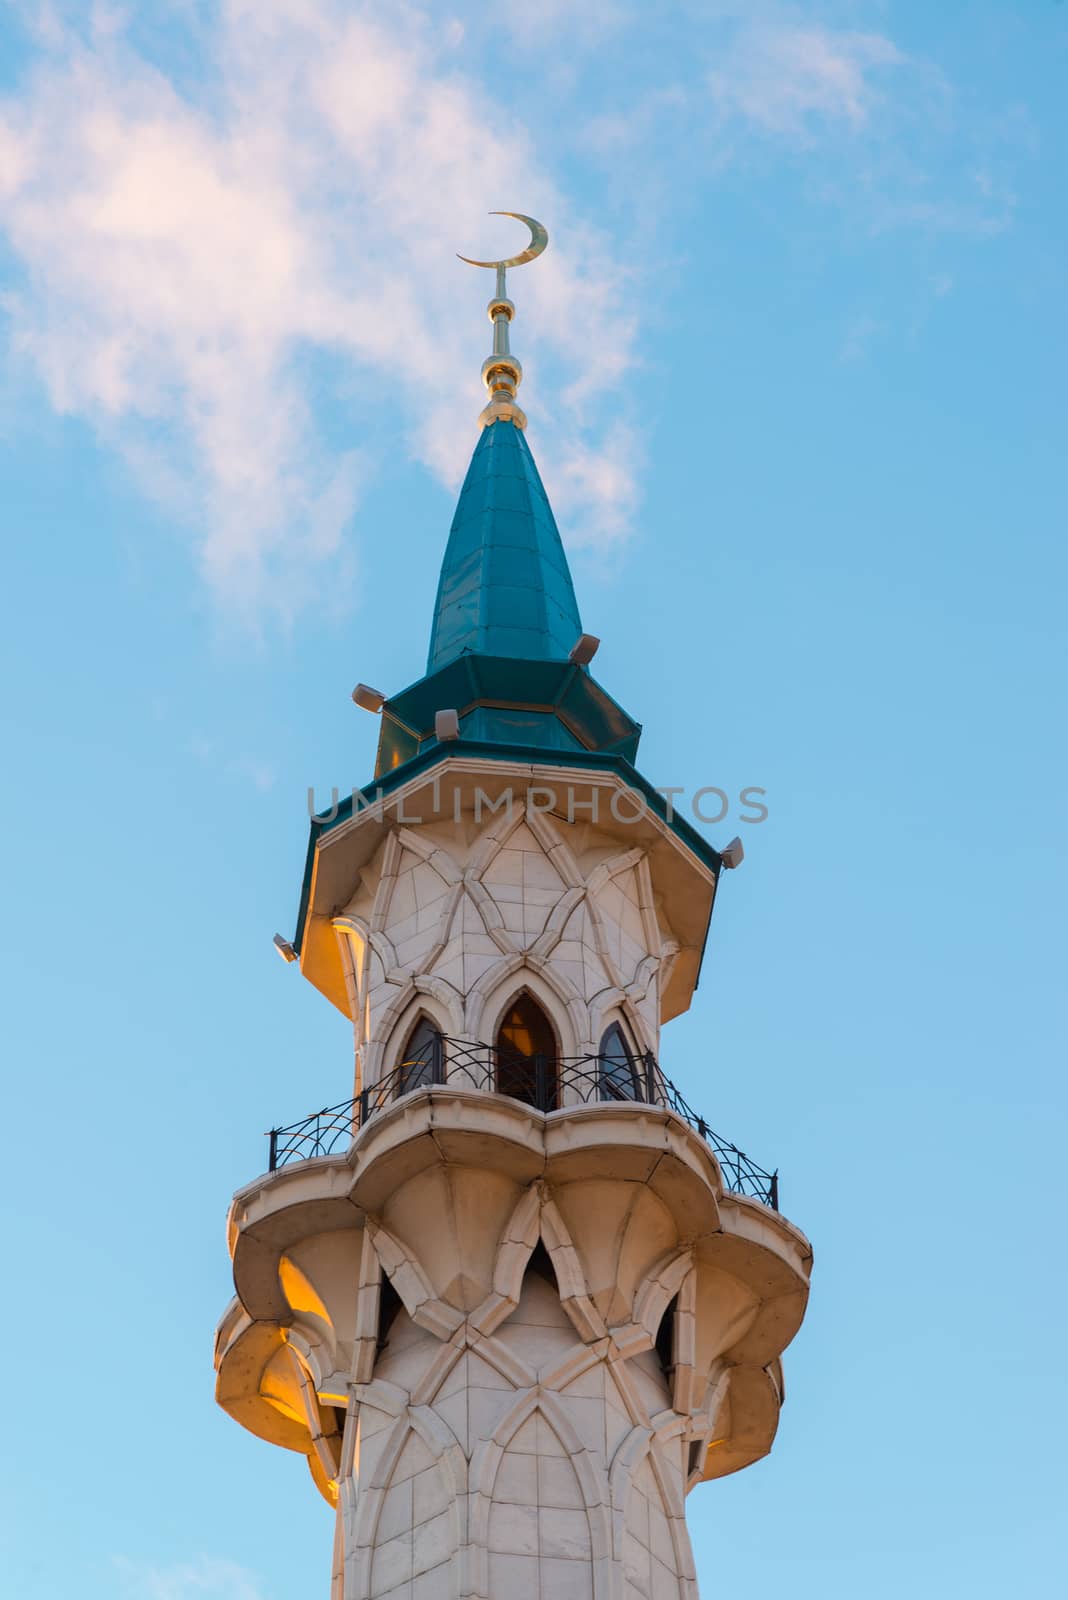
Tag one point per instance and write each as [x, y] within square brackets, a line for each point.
[198, 268]
[877, 132]
[784, 78]
[859, 336]
[234, 254]
[605, 478]
[583, 24]
[204, 1579]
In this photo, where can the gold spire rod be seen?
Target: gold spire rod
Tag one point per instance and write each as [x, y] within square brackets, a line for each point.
[501, 372]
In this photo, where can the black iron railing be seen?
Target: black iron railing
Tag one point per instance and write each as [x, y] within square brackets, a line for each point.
[547, 1083]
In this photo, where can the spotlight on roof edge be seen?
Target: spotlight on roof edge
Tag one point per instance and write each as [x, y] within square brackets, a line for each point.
[733, 854]
[446, 724]
[284, 948]
[368, 699]
[584, 649]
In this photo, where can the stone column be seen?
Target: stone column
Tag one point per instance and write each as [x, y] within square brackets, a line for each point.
[544, 1330]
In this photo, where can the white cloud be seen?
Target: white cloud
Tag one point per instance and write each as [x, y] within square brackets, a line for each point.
[605, 479]
[781, 77]
[861, 332]
[881, 135]
[196, 271]
[581, 23]
[203, 1579]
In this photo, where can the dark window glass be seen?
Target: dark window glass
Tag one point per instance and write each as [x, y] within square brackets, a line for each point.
[526, 1055]
[619, 1067]
[421, 1063]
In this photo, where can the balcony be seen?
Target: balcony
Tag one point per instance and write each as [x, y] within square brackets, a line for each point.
[547, 1084]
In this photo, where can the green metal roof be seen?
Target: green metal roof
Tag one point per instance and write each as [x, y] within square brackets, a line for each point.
[505, 588]
[501, 699]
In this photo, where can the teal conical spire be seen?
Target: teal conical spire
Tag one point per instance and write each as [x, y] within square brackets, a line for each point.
[503, 673]
[505, 588]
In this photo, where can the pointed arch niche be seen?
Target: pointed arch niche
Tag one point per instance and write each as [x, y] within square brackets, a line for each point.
[540, 1525]
[422, 1060]
[526, 1054]
[618, 1065]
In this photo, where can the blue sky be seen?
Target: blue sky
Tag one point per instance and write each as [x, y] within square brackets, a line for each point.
[794, 373]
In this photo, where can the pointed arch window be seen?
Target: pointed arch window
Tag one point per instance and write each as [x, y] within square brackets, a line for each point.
[619, 1076]
[423, 1059]
[526, 1054]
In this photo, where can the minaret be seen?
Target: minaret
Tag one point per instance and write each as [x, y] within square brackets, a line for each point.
[512, 1298]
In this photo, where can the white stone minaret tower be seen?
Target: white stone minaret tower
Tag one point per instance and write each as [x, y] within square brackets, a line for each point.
[513, 1300]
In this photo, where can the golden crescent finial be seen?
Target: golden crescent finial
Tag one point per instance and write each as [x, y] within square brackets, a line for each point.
[501, 372]
[539, 238]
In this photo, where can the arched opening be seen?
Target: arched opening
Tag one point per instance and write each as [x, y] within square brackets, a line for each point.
[665, 1339]
[541, 1264]
[619, 1077]
[389, 1305]
[526, 1054]
[422, 1061]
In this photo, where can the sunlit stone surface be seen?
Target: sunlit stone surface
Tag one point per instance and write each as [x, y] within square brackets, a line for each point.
[509, 1343]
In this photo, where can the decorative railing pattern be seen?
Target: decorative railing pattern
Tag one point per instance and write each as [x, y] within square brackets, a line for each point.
[547, 1083]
